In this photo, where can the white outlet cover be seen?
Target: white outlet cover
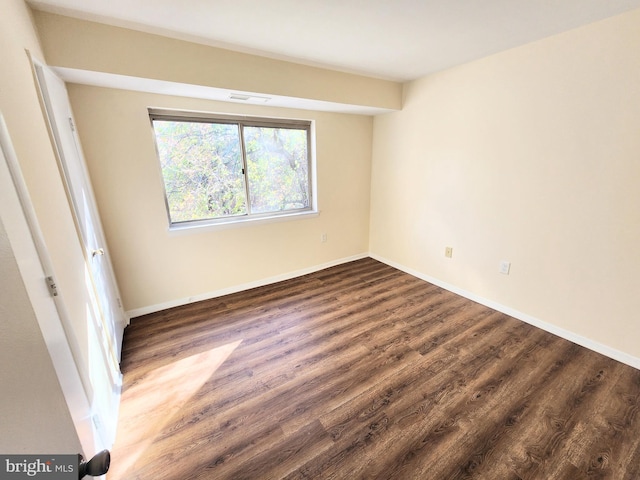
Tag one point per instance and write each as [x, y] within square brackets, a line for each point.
[505, 266]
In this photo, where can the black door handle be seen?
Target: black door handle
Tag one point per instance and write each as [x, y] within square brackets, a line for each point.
[98, 465]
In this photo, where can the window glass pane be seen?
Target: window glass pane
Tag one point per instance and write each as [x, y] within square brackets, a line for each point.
[277, 168]
[202, 169]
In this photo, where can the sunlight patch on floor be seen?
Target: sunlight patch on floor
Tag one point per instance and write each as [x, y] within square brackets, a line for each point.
[147, 406]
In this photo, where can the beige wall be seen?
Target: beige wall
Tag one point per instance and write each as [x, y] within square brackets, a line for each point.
[33, 418]
[532, 156]
[155, 267]
[79, 44]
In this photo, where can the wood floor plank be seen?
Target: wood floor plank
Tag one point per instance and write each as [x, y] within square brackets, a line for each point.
[363, 371]
[474, 389]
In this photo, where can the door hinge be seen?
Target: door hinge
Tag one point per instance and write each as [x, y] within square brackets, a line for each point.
[53, 289]
[72, 125]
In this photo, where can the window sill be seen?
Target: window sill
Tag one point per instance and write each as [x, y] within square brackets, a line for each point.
[238, 222]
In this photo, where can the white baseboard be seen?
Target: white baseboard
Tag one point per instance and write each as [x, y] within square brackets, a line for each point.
[239, 288]
[548, 327]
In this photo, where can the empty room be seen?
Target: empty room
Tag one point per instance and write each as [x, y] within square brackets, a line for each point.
[329, 240]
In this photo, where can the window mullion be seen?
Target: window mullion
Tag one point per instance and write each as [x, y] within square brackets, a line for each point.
[243, 154]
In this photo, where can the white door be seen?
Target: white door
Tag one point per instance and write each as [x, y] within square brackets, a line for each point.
[108, 317]
[18, 217]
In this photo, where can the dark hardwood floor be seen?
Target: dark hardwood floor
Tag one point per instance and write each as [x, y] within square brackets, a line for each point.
[363, 371]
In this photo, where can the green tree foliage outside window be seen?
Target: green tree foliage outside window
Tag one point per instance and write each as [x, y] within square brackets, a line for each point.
[216, 170]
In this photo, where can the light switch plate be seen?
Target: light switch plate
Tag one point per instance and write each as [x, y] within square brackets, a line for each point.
[505, 266]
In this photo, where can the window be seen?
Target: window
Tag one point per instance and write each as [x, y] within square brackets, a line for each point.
[220, 169]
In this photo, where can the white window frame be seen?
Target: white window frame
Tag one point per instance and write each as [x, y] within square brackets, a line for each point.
[241, 120]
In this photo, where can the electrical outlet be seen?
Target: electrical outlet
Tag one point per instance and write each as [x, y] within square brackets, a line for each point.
[323, 238]
[448, 252]
[505, 266]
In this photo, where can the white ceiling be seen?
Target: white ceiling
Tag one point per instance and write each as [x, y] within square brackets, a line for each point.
[393, 39]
